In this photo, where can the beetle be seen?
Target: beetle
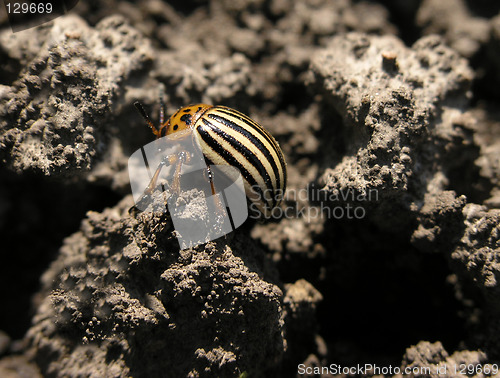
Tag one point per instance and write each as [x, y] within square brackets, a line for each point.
[229, 137]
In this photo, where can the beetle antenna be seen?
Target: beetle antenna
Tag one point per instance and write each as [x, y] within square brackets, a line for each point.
[162, 104]
[144, 115]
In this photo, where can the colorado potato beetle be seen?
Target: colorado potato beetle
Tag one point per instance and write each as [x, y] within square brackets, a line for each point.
[228, 137]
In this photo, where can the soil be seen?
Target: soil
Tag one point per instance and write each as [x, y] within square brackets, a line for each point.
[385, 250]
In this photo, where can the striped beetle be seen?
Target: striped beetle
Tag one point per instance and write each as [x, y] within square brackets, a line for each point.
[228, 137]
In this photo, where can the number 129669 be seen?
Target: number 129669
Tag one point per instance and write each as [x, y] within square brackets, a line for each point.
[473, 369]
[32, 8]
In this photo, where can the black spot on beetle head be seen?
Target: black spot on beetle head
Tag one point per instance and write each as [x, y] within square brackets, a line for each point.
[186, 118]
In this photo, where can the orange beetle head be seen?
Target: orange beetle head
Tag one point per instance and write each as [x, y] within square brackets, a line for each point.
[184, 119]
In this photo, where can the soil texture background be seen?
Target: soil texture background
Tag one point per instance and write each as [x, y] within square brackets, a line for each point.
[385, 250]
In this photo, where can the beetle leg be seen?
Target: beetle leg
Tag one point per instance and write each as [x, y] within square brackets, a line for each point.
[174, 188]
[176, 184]
[221, 210]
[171, 159]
